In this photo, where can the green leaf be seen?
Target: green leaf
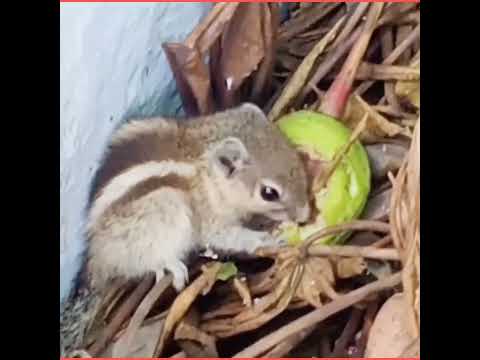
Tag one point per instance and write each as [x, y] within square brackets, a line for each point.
[227, 271]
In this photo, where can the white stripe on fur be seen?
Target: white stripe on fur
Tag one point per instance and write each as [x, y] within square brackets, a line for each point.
[123, 182]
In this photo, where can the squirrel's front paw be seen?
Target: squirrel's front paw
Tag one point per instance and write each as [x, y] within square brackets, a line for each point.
[180, 275]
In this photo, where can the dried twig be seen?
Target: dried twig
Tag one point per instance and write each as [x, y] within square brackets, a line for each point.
[369, 317]
[299, 78]
[282, 349]
[369, 71]
[362, 225]
[394, 55]
[389, 87]
[314, 317]
[369, 252]
[341, 344]
[360, 9]
[330, 60]
[322, 181]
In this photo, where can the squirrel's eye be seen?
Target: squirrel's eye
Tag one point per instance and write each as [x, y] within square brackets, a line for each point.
[269, 194]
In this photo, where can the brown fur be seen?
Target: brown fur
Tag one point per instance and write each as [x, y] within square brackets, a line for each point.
[154, 183]
[148, 140]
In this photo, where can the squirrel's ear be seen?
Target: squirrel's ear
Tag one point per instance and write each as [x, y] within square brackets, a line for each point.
[230, 155]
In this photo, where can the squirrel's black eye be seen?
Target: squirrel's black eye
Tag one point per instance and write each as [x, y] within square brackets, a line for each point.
[269, 194]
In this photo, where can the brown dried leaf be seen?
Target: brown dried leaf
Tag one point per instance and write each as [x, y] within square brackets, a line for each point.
[211, 27]
[410, 90]
[241, 50]
[263, 310]
[142, 344]
[185, 299]
[377, 125]
[350, 267]
[294, 279]
[262, 80]
[192, 78]
[261, 304]
[317, 281]
[194, 342]
[228, 309]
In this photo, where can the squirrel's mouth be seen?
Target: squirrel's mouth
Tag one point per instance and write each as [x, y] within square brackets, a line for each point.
[260, 222]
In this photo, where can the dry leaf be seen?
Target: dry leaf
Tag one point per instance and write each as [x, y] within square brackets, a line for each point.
[410, 90]
[263, 310]
[239, 53]
[142, 344]
[211, 27]
[389, 335]
[350, 267]
[262, 79]
[184, 300]
[317, 281]
[192, 78]
[194, 342]
[377, 125]
[261, 304]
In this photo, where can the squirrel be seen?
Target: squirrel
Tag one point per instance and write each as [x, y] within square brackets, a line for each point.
[167, 188]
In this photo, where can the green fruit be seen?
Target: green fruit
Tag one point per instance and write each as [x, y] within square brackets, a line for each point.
[346, 192]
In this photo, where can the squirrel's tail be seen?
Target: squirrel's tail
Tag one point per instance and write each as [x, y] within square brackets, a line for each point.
[75, 319]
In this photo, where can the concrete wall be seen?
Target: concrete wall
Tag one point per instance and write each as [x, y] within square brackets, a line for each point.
[111, 66]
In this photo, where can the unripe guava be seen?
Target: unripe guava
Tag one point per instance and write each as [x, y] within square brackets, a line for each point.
[346, 192]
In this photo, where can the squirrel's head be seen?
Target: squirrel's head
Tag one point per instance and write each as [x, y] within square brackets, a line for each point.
[257, 170]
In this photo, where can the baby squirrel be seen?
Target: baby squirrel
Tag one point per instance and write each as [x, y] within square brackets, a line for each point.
[168, 188]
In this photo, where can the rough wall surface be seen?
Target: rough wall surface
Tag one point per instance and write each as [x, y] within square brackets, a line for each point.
[111, 66]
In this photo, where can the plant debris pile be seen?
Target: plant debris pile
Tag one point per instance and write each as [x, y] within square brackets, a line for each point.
[358, 63]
